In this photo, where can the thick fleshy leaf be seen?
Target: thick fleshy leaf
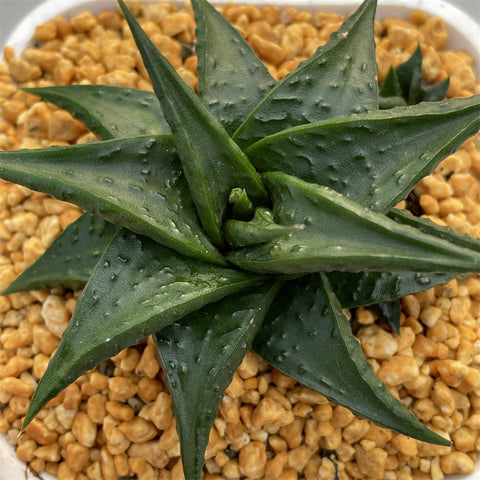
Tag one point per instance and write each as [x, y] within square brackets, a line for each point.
[69, 261]
[390, 313]
[405, 84]
[409, 75]
[109, 112]
[213, 163]
[391, 86]
[135, 182]
[242, 207]
[367, 288]
[199, 355]
[261, 229]
[340, 78]
[137, 288]
[426, 225]
[341, 235]
[436, 91]
[374, 158]
[231, 78]
[391, 94]
[306, 336]
[385, 103]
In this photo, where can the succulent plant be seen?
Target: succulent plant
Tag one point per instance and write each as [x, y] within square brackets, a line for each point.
[248, 216]
[404, 84]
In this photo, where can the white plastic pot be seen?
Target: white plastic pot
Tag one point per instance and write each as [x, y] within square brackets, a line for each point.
[464, 33]
[463, 29]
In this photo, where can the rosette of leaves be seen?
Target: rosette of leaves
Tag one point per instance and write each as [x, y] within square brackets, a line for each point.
[248, 216]
[405, 85]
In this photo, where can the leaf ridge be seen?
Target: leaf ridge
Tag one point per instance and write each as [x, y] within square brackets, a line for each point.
[108, 111]
[147, 194]
[314, 80]
[373, 157]
[204, 147]
[232, 79]
[313, 322]
[137, 288]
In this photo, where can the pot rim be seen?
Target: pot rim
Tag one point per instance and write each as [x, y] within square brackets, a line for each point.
[459, 22]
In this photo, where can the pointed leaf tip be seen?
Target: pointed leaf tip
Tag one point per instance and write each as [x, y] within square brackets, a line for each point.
[306, 336]
[340, 78]
[200, 354]
[137, 288]
[212, 162]
[71, 258]
[342, 235]
[232, 80]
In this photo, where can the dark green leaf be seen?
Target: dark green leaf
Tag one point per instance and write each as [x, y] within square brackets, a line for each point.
[341, 235]
[135, 182]
[231, 78]
[70, 259]
[109, 112]
[374, 158]
[405, 84]
[391, 85]
[213, 164]
[306, 336]
[199, 355]
[261, 229]
[425, 225]
[385, 103]
[366, 288]
[391, 94]
[339, 79]
[409, 76]
[436, 91]
[137, 288]
[390, 313]
[242, 207]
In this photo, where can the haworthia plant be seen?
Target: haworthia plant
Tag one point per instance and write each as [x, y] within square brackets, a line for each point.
[405, 85]
[246, 217]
